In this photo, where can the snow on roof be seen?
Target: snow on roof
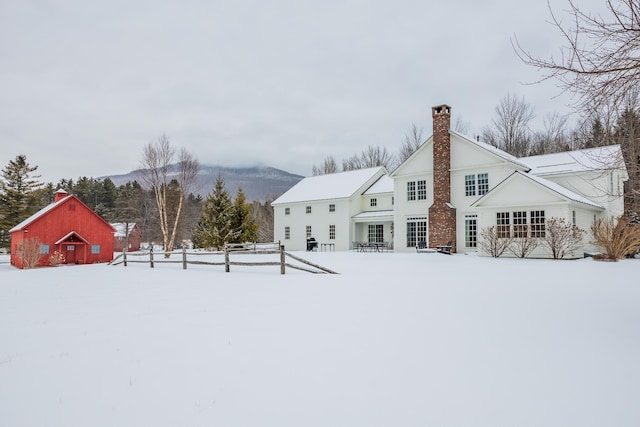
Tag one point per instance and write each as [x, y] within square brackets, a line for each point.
[38, 214]
[384, 184]
[488, 147]
[120, 228]
[557, 188]
[331, 186]
[598, 158]
[373, 214]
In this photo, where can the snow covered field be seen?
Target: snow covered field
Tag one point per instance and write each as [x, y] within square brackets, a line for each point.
[394, 340]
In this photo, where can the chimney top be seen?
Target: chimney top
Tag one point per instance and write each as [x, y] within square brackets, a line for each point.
[440, 109]
[60, 194]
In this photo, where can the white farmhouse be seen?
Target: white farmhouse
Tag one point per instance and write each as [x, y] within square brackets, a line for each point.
[450, 189]
[336, 210]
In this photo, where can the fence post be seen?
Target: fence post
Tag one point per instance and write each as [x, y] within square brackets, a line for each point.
[151, 256]
[184, 257]
[124, 256]
[226, 258]
[282, 264]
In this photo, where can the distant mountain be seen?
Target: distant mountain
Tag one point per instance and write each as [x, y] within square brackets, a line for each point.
[258, 183]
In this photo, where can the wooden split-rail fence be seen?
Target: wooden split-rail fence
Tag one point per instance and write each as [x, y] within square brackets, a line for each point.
[235, 250]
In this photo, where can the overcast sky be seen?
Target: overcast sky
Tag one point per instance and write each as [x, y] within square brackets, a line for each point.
[85, 85]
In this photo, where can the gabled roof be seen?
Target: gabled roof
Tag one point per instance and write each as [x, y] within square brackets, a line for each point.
[69, 234]
[493, 150]
[549, 185]
[502, 155]
[331, 186]
[121, 228]
[598, 158]
[384, 184]
[42, 212]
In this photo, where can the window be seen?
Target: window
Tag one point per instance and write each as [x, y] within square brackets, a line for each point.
[287, 211]
[520, 224]
[416, 231]
[376, 233]
[373, 203]
[573, 217]
[95, 249]
[470, 185]
[287, 233]
[332, 232]
[44, 249]
[503, 225]
[308, 209]
[470, 188]
[471, 231]
[308, 231]
[332, 207]
[422, 190]
[537, 224]
[483, 183]
[411, 190]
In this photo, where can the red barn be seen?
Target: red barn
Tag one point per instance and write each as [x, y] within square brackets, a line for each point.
[133, 235]
[67, 226]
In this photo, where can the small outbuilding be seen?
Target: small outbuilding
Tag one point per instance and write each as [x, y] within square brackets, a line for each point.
[67, 227]
[127, 235]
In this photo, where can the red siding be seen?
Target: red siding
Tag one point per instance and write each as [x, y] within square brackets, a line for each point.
[68, 215]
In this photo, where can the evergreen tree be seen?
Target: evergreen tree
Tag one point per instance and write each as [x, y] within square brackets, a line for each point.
[214, 228]
[242, 221]
[20, 195]
[628, 136]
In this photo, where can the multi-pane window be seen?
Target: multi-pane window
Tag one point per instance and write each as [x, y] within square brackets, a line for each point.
[537, 224]
[44, 249]
[503, 224]
[469, 185]
[95, 249]
[287, 211]
[483, 183]
[308, 231]
[332, 207]
[520, 224]
[422, 190]
[471, 231]
[287, 233]
[416, 231]
[473, 186]
[332, 232]
[411, 190]
[376, 233]
[308, 209]
[373, 202]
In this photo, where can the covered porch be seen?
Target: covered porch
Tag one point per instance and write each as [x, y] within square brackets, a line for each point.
[372, 231]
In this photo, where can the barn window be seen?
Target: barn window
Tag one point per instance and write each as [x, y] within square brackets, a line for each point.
[72, 206]
[44, 249]
[95, 249]
[287, 211]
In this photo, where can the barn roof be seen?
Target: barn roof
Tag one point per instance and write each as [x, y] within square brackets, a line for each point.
[42, 212]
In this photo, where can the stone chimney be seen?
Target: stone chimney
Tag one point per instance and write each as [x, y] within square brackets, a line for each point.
[60, 194]
[442, 214]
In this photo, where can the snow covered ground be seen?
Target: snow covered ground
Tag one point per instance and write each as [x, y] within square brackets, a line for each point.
[394, 340]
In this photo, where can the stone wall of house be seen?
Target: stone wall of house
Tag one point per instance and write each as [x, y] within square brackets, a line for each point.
[442, 215]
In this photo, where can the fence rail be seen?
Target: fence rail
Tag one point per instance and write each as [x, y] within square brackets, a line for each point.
[235, 250]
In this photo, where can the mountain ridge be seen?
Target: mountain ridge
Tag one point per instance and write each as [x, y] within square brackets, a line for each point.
[259, 183]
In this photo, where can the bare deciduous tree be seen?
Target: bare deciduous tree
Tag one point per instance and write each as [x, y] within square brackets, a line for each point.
[158, 171]
[509, 131]
[600, 60]
[412, 141]
[29, 251]
[493, 241]
[562, 238]
[522, 243]
[328, 166]
[369, 158]
[553, 138]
